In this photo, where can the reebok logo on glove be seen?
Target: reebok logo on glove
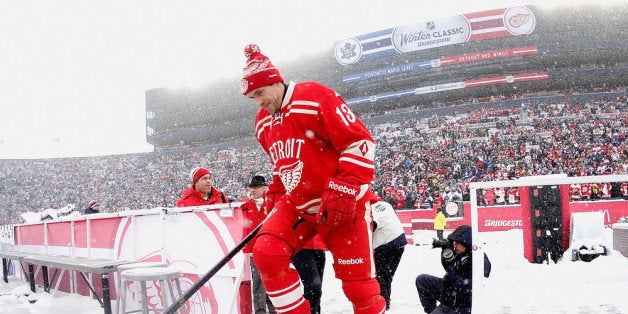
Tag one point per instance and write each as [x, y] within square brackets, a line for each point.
[341, 188]
[338, 203]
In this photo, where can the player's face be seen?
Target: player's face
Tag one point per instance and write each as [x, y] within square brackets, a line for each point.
[268, 97]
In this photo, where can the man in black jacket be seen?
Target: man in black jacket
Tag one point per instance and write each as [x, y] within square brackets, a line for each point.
[92, 208]
[453, 291]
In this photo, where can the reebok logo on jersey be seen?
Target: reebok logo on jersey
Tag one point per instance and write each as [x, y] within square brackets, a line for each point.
[342, 188]
[351, 261]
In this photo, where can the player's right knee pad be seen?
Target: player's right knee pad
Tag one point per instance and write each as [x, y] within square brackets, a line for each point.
[272, 258]
[271, 254]
[364, 295]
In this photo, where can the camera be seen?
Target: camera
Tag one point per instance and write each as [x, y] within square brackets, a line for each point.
[447, 255]
[444, 243]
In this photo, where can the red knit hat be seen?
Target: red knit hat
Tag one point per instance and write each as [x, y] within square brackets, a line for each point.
[197, 173]
[259, 71]
[93, 204]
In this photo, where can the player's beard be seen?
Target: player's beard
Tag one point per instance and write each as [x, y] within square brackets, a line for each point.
[273, 105]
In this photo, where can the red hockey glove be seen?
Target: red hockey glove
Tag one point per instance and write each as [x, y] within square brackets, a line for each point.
[275, 191]
[337, 203]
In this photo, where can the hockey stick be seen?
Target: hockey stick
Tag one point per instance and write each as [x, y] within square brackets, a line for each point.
[188, 294]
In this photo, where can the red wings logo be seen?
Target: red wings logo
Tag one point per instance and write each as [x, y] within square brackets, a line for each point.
[291, 175]
[244, 85]
[519, 20]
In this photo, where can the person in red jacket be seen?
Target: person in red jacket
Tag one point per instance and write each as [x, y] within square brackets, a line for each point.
[201, 192]
[323, 162]
[254, 213]
[624, 189]
[489, 196]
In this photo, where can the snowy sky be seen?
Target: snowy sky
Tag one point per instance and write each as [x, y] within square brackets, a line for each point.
[73, 73]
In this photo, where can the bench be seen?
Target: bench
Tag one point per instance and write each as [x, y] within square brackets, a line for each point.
[10, 255]
[82, 265]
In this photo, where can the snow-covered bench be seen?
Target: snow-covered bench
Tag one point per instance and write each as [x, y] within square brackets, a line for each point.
[82, 265]
[8, 256]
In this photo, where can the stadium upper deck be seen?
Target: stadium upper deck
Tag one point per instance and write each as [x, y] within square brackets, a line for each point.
[504, 51]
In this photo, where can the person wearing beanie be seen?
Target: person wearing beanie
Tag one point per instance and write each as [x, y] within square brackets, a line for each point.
[454, 290]
[92, 208]
[323, 162]
[201, 192]
[254, 213]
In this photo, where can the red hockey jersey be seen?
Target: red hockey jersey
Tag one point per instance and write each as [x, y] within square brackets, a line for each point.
[314, 136]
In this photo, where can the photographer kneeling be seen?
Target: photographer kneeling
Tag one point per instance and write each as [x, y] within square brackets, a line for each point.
[453, 291]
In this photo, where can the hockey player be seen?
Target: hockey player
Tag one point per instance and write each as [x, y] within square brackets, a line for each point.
[322, 156]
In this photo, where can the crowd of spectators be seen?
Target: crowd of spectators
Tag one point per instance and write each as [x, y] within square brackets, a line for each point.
[418, 161]
[420, 158]
[122, 182]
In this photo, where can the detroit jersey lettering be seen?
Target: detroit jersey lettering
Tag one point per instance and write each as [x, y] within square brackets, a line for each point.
[314, 136]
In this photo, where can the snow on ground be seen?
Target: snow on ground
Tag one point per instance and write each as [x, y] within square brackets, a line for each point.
[515, 285]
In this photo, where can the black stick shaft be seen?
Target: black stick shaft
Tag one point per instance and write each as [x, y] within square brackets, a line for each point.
[188, 294]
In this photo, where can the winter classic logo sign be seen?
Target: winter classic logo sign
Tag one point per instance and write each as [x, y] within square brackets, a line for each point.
[435, 33]
[348, 51]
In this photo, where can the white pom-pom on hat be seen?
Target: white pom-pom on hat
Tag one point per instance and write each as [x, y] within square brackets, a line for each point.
[259, 71]
[250, 49]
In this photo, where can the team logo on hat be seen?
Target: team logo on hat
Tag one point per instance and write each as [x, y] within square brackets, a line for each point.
[244, 85]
